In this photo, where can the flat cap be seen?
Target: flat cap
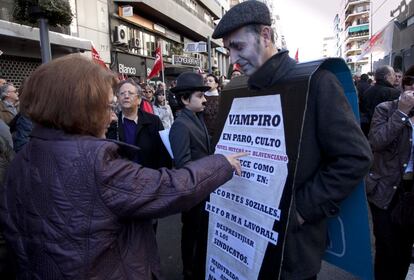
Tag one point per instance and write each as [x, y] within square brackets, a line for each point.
[245, 13]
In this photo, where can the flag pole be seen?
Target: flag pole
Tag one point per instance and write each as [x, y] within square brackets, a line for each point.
[162, 68]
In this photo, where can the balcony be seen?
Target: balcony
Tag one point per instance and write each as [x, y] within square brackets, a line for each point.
[356, 37]
[349, 17]
[214, 7]
[25, 39]
[195, 11]
[6, 14]
[188, 20]
[352, 3]
[364, 60]
[352, 51]
[357, 33]
[358, 22]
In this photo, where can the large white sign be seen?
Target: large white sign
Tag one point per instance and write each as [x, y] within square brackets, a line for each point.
[185, 60]
[243, 211]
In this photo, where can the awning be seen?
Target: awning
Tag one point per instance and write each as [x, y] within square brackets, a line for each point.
[175, 71]
[18, 31]
[358, 28]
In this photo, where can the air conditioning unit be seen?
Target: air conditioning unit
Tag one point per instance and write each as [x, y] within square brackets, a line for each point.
[121, 35]
[134, 43]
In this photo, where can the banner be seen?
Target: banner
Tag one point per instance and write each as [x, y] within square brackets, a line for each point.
[243, 211]
[379, 42]
[248, 215]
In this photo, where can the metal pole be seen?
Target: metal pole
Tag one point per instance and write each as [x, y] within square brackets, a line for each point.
[163, 81]
[371, 19]
[162, 68]
[209, 54]
[44, 40]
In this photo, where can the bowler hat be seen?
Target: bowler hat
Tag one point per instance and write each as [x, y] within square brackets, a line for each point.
[190, 81]
[245, 13]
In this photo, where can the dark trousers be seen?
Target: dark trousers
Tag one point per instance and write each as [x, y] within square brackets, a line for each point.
[194, 242]
[393, 244]
[7, 262]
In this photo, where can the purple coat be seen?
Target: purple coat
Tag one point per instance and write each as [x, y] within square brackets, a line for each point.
[72, 208]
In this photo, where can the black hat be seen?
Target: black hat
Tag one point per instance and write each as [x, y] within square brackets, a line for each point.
[245, 13]
[190, 81]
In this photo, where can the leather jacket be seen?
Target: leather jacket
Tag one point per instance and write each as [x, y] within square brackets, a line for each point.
[391, 142]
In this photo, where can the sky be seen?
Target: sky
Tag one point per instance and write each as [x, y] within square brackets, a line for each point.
[305, 23]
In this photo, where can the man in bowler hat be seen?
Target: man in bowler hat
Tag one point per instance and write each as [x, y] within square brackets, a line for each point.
[334, 154]
[190, 141]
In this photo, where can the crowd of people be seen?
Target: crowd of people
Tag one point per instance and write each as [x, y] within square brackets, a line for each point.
[86, 175]
[386, 107]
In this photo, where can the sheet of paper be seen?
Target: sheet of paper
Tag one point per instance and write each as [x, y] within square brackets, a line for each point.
[242, 211]
[164, 134]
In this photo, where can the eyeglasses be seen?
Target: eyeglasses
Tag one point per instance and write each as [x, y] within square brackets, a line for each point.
[130, 93]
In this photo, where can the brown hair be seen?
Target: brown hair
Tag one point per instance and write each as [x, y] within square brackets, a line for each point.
[69, 93]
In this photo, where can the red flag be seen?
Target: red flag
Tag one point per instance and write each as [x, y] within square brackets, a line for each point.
[97, 57]
[158, 64]
[297, 55]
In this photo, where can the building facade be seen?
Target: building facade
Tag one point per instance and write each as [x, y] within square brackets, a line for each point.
[359, 20]
[352, 30]
[20, 47]
[181, 28]
[125, 42]
[400, 13]
[329, 47]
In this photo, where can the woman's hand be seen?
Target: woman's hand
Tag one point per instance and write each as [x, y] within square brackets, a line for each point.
[235, 162]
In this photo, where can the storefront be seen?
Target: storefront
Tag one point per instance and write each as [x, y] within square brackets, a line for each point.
[135, 66]
[131, 65]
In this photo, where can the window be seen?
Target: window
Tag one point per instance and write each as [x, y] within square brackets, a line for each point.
[148, 44]
[166, 48]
